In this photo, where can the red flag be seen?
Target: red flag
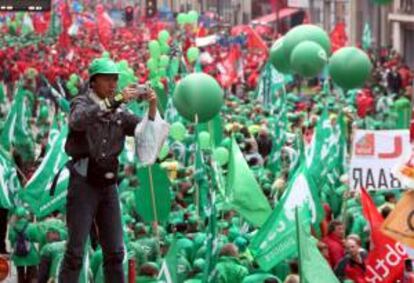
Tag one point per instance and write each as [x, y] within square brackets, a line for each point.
[338, 36]
[66, 22]
[254, 41]
[385, 262]
[41, 22]
[105, 24]
[228, 69]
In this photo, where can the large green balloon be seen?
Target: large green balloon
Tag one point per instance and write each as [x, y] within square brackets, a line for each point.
[278, 57]
[221, 155]
[350, 67]
[200, 95]
[306, 32]
[308, 59]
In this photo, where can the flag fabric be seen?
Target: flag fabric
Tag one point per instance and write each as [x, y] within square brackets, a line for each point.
[246, 196]
[9, 181]
[385, 262]
[276, 239]
[41, 22]
[312, 265]
[168, 271]
[210, 271]
[215, 128]
[367, 37]
[398, 225]
[105, 24]
[27, 24]
[201, 183]
[338, 36]
[37, 190]
[15, 131]
[66, 22]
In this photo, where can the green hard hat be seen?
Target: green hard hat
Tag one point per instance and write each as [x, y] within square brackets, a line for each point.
[103, 66]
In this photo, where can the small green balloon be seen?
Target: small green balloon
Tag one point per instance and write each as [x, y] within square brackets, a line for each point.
[193, 17]
[164, 61]
[162, 72]
[178, 131]
[152, 64]
[165, 48]
[182, 18]
[164, 151]
[163, 36]
[204, 140]
[154, 49]
[221, 155]
[192, 54]
[106, 54]
[278, 57]
[74, 78]
[308, 59]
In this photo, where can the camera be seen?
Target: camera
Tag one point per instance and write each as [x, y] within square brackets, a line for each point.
[142, 89]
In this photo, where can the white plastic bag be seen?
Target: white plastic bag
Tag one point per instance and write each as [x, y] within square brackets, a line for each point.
[149, 138]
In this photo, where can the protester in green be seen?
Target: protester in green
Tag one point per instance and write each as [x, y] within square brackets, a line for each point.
[229, 269]
[22, 236]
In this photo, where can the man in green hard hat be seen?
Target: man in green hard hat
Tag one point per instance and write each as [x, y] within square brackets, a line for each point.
[98, 125]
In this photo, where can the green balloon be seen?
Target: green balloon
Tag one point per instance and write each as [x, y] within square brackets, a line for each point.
[308, 59]
[164, 61]
[73, 91]
[306, 32]
[152, 64]
[193, 17]
[164, 151]
[192, 54]
[200, 95]
[154, 49]
[163, 36]
[165, 49]
[106, 54]
[350, 67]
[74, 78]
[178, 131]
[122, 65]
[182, 18]
[162, 72]
[204, 140]
[278, 57]
[221, 155]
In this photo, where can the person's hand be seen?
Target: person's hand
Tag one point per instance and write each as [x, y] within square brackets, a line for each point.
[152, 100]
[130, 93]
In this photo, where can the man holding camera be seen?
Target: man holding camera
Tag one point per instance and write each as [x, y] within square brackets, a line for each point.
[97, 130]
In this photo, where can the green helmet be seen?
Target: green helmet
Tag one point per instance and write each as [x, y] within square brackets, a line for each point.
[103, 66]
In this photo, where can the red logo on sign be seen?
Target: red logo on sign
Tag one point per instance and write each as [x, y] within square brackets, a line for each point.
[366, 145]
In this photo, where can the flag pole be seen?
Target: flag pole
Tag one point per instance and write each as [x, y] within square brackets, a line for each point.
[154, 205]
[298, 244]
[197, 189]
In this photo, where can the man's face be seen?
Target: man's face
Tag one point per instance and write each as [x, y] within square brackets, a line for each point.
[352, 247]
[105, 85]
[339, 231]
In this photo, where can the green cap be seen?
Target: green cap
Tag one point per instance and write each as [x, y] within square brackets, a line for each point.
[103, 66]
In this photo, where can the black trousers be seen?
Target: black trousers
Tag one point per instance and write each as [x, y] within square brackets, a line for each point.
[86, 203]
[26, 274]
[3, 229]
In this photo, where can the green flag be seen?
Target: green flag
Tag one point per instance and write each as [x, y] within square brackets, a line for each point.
[27, 24]
[313, 266]
[168, 272]
[246, 197]
[215, 129]
[153, 197]
[367, 37]
[37, 190]
[9, 182]
[201, 182]
[276, 239]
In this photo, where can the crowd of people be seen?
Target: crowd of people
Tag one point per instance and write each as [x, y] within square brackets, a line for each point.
[52, 73]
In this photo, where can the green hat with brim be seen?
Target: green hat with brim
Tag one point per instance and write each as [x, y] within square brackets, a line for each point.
[103, 66]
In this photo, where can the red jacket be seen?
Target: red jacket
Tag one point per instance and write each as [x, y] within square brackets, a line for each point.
[336, 248]
[350, 269]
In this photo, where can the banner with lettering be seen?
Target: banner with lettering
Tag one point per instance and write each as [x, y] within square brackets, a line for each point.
[375, 155]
